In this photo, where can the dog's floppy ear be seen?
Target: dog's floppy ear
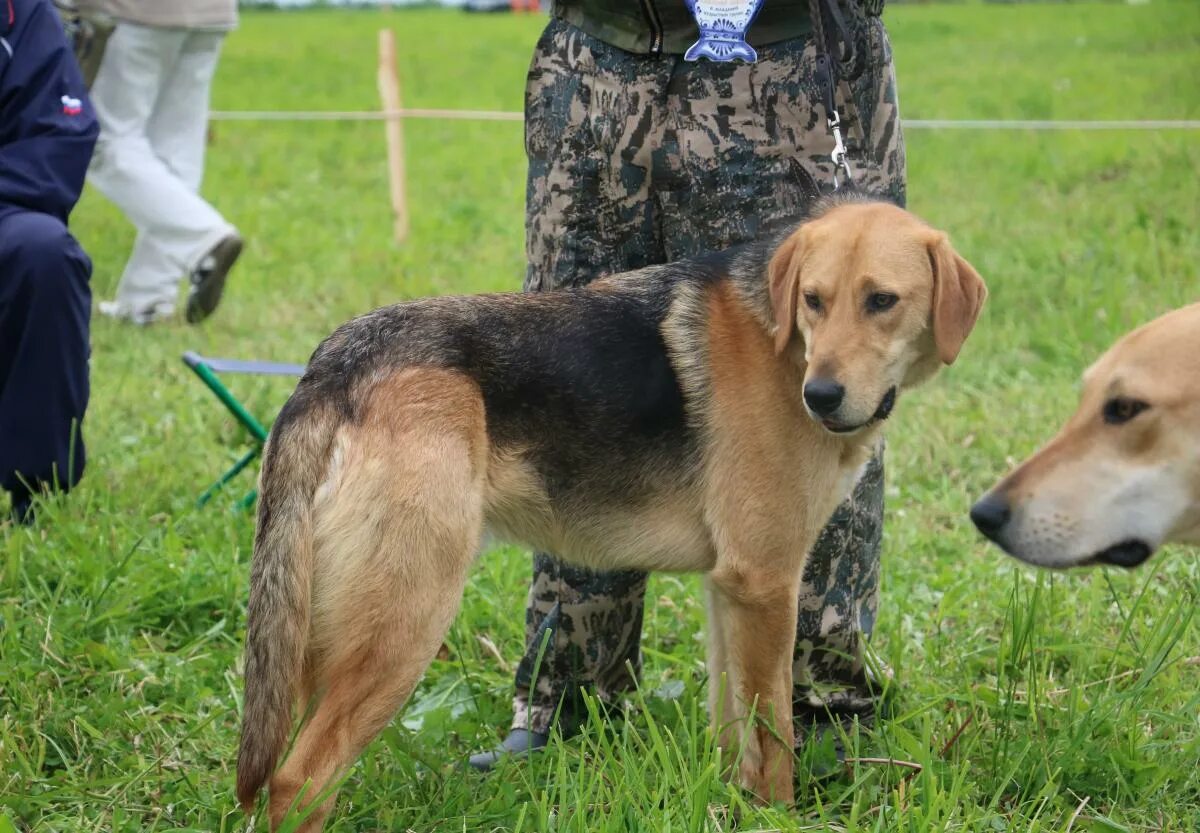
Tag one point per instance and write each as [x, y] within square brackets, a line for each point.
[958, 296]
[783, 273]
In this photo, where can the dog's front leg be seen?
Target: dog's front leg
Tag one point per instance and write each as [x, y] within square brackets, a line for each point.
[722, 709]
[752, 616]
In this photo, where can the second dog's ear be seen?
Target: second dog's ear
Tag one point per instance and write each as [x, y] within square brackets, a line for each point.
[783, 275]
[958, 296]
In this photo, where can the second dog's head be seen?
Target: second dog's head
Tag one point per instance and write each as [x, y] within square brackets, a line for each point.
[879, 300]
[1123, 475]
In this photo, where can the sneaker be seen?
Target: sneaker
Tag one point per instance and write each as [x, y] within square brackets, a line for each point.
[520, 743]
[208, 278]
[153, 314]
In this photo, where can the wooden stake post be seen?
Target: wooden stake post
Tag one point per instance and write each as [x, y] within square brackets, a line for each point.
[389, 96]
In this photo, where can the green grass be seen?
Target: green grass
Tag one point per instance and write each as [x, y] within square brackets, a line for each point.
[1030, 701]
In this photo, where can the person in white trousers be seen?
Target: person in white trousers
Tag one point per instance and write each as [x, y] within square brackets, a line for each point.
[151, 96]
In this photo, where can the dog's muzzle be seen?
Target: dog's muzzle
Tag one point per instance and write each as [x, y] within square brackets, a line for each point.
[885, 405]
[1127, 554]
[881, 413]
[991, 514]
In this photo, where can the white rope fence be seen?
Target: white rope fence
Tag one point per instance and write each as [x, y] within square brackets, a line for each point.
[364, 115]
[1049, 124]
[393, 114]
[507, 115]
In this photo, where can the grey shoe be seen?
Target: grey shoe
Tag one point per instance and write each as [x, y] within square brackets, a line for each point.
[208, 278]
[519, 744]
[154, 313]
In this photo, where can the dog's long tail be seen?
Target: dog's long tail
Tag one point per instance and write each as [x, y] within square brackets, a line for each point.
[294, 465]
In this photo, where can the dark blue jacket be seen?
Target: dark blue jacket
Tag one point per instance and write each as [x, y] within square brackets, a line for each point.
[47, 125]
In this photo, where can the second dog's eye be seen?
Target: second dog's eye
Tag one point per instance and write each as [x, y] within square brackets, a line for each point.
[813, 301]
[881, 301]
[1120, 409]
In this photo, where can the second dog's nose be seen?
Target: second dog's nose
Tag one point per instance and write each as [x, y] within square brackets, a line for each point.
[990, 513]
[823, 396]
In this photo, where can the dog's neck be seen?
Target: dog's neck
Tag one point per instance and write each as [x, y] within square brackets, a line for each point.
[752, 285]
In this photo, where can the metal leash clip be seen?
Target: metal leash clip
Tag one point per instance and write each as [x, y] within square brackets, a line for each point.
[839, 157]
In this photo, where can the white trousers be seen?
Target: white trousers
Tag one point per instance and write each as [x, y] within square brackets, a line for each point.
[151, 96]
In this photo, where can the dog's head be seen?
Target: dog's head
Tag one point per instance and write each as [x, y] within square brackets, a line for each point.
[1123, 476]
[879, 299]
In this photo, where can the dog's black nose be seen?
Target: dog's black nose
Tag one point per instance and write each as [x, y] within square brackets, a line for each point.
[990, 513]
[823, 396]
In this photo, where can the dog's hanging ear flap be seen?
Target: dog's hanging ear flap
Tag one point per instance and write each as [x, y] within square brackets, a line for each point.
[958, 296]
[783, 273]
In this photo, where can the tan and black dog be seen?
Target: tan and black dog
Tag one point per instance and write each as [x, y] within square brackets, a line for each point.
[1122, 477]
[707, 415]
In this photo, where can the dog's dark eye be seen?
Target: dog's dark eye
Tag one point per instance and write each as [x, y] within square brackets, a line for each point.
[881, 301]
[1119, 409]
[813, 300]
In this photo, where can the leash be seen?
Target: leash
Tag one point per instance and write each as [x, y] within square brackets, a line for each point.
[835, 40]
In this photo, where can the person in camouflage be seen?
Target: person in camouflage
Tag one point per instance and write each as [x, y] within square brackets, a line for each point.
[637, 157]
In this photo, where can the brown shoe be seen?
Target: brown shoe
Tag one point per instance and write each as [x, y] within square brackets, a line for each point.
[208, 279]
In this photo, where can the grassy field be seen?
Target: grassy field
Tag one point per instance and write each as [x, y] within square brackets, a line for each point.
[1028, 701]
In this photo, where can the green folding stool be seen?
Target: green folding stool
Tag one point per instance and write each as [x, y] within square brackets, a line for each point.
[207, 369]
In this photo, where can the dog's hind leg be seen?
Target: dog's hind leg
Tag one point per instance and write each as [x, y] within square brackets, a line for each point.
[397, 526]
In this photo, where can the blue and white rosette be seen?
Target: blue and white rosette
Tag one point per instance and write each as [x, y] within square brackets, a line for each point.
[723, 25]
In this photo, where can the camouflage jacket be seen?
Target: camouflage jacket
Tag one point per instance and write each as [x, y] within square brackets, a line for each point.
[666, 26]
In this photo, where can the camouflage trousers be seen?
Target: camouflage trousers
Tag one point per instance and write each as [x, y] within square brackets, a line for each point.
[637, 160]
